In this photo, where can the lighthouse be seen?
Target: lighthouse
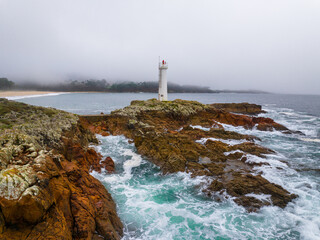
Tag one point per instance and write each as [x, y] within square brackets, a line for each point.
[163, 91]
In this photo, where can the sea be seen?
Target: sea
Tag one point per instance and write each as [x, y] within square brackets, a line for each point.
[156, 206]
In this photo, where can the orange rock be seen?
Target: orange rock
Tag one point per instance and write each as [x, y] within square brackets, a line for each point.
[244, 108]
[262, 123]
[108, 164]
[62, 201]
[153, 125]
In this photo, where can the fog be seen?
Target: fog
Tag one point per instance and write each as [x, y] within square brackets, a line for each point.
[270, 45]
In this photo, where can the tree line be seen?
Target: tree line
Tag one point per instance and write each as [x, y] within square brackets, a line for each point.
[5, 84]
[105, 86]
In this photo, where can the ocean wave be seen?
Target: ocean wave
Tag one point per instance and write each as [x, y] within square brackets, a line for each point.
[156, 206]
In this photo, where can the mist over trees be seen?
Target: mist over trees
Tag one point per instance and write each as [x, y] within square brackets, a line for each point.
[93, 85]
[105, 86]
[5, 84]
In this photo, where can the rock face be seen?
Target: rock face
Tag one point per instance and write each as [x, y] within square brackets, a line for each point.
[107, 165]
[46, 191]
[188, 136]
[244, 108]
[261, 123]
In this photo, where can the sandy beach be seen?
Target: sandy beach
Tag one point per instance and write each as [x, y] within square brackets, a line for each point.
[4, 94]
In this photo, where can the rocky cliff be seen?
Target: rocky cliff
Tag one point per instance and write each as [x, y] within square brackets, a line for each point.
[188, 136]
[46, 191]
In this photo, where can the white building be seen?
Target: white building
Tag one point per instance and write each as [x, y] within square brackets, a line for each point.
[163, 89]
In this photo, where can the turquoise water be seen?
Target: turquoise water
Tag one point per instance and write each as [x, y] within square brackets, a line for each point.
[154, 206]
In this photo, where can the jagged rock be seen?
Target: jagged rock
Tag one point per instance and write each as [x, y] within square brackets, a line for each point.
[261, 123]
[244, 108]
[243, 184]
[178, 135]
[46, 190]
[32, 155]
[2, 223]
[15, 180]
[107, 164]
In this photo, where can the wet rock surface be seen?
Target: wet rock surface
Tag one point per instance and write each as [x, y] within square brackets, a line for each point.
[46, 190]
[106, 165]
[189, 137]
[244, 108]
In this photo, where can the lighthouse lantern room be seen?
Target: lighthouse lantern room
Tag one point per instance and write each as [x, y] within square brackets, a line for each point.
[163, 91]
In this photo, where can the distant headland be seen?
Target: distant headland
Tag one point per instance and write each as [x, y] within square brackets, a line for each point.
[93, 85]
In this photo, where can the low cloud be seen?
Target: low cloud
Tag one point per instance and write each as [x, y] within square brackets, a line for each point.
[266, 45]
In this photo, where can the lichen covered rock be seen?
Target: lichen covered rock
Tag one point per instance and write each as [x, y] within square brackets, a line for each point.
[46, 190]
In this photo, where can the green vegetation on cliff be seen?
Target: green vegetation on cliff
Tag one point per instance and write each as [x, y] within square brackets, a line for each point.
[29, 128]
[175, 108]
[20, 121]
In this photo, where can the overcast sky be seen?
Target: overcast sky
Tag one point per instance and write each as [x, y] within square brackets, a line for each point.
[271, 45]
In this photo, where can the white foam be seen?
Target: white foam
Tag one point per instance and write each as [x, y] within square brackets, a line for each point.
[261, 197]
[255, 159]
[200, 127]
[231, 142]
[310, 140]
[179, 129]
[232, 152]
[288, 113]
[36, 95]
[125, 156]
[145, 218]
[135, 161]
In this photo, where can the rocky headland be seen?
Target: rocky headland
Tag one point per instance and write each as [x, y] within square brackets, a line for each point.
[190, 137]
[46, 190]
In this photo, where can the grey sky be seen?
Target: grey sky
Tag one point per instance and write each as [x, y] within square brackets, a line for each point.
[271, 45]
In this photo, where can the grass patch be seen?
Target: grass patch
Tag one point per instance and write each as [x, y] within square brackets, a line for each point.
[4, 123]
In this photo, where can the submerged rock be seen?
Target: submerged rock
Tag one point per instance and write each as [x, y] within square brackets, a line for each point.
[107, 164]
[188, 136]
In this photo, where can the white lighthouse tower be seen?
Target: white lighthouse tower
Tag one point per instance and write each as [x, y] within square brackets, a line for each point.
[163, 91]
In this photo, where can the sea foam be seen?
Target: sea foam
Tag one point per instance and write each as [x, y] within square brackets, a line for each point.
[156, 206]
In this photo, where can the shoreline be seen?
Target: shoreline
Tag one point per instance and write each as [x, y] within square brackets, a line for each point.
[22, 93]
[13, 95]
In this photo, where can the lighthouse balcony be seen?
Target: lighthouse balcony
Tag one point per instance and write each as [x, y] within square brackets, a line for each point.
[163, 66]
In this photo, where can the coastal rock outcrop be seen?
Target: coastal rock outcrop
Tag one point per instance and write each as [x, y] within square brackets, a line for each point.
[106, 164]
[188, 136]
[46, 190]
[244, 108]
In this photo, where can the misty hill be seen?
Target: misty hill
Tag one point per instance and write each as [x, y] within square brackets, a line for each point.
[93, 85]
[5, 84]
[104, 86]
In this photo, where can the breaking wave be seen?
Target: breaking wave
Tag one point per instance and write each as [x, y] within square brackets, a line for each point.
[154, 206]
